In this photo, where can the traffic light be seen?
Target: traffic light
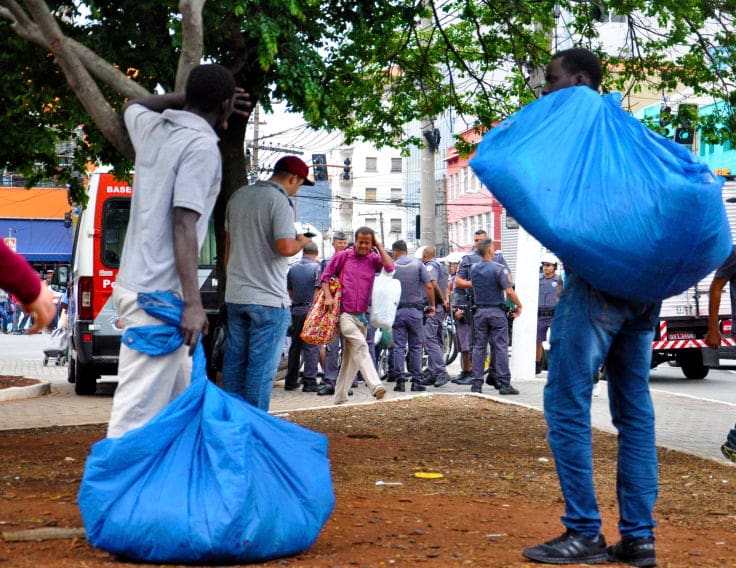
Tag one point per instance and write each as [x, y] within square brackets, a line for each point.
[320, 169]
[346, 169]
[687, 115]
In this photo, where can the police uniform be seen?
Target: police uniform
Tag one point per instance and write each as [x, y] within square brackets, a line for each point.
[408, 328]
[433, 341]
[490, 279]
[549, 295]
[302, 279]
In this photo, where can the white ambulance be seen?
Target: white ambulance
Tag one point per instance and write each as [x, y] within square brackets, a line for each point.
[94, 331]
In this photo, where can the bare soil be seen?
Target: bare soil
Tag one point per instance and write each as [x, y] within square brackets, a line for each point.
[8, 381]
[498, 493]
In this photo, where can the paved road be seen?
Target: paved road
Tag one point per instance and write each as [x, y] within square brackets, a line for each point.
[692, 416]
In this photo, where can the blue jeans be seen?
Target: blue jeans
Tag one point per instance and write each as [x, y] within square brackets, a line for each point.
[252, 351]
[588, 328]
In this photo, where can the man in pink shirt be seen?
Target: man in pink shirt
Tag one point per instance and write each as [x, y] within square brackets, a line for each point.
[356, 268]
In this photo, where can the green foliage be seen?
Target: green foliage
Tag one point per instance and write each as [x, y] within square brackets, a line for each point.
[366, 67]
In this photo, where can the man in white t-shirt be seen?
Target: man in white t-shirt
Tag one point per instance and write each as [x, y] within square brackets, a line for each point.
[177, 179]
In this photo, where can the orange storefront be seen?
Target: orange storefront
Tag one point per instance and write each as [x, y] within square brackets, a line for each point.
[32, 221]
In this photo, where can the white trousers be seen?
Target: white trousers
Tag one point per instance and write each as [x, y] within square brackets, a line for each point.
[145, 384]
[355, 357]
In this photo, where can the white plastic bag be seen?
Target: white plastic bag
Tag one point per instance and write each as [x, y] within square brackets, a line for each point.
[385, 300]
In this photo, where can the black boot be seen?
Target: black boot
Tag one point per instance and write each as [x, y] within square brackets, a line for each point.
[400, 385]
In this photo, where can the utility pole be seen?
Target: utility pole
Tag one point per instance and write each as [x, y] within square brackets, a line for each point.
[427, 188]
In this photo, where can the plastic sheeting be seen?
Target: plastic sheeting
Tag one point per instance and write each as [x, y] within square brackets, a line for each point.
[211, 479]
[630, 211]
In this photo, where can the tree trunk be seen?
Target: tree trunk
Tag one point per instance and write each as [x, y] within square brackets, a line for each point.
[234, 175]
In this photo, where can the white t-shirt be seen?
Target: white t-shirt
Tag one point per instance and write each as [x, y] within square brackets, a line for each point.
[177, 164]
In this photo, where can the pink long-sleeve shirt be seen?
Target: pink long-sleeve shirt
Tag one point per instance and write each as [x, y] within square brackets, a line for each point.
[356, 274]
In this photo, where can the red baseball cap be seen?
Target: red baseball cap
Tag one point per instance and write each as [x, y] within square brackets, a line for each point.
[294, 166]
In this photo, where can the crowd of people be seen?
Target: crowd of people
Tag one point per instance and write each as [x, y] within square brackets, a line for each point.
[178, 175]
[416, 350]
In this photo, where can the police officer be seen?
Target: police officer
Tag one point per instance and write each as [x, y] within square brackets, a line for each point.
[301, 281]
[462, 281]
[332, 350]
[433, 341]
[550, 288]
[408, 328]
[490, 280]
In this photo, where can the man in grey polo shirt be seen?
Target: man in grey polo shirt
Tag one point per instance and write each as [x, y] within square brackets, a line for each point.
[260, 238]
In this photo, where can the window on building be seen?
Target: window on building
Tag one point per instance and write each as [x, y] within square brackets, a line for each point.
[371, 164]
[395, 165]
[464, 180]
[471, 182]
[370, 193]
[396, 194]
[371, 222]
[396, 225]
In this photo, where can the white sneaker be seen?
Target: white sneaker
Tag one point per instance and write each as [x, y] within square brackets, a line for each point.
[597, 389]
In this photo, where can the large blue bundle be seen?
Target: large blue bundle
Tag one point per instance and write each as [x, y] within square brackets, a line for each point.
[631, 212]
[209, 479]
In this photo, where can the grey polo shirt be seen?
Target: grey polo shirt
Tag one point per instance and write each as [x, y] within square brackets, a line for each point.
[257, 216]
[177, 164]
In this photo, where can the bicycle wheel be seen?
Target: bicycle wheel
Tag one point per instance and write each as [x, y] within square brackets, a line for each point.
[449, 341]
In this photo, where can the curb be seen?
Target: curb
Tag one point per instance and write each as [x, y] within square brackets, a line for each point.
[19, 393]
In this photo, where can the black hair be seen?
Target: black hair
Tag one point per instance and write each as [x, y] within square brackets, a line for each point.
[484, 246]
[481, 232]
[399, 246]
[580, 60]
[208, 86]
[365, 231]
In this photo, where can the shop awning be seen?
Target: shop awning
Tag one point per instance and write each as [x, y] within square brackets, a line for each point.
[40, 240]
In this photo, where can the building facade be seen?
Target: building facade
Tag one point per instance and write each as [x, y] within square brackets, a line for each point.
[470, 206]
[369, 191]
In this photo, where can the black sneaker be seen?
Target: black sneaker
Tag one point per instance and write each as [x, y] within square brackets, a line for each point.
[443, 380]
[463, 378]
[634, 552]
[507, 389]
[729, 452]
[570, 548]
[326, 389]
[416, 387]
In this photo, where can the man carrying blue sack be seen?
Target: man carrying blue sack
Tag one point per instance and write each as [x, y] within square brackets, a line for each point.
[589, 328]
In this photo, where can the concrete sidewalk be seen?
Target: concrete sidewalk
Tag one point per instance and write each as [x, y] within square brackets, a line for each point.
[690, 424]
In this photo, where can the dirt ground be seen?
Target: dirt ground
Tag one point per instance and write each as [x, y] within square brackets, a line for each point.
[498, 493]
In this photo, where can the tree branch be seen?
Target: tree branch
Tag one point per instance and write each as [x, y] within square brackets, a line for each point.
[25, 28]
[192, 30]
[79, 79]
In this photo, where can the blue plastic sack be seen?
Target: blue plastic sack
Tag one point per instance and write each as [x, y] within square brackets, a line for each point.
[211, 479]
[629, 211]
